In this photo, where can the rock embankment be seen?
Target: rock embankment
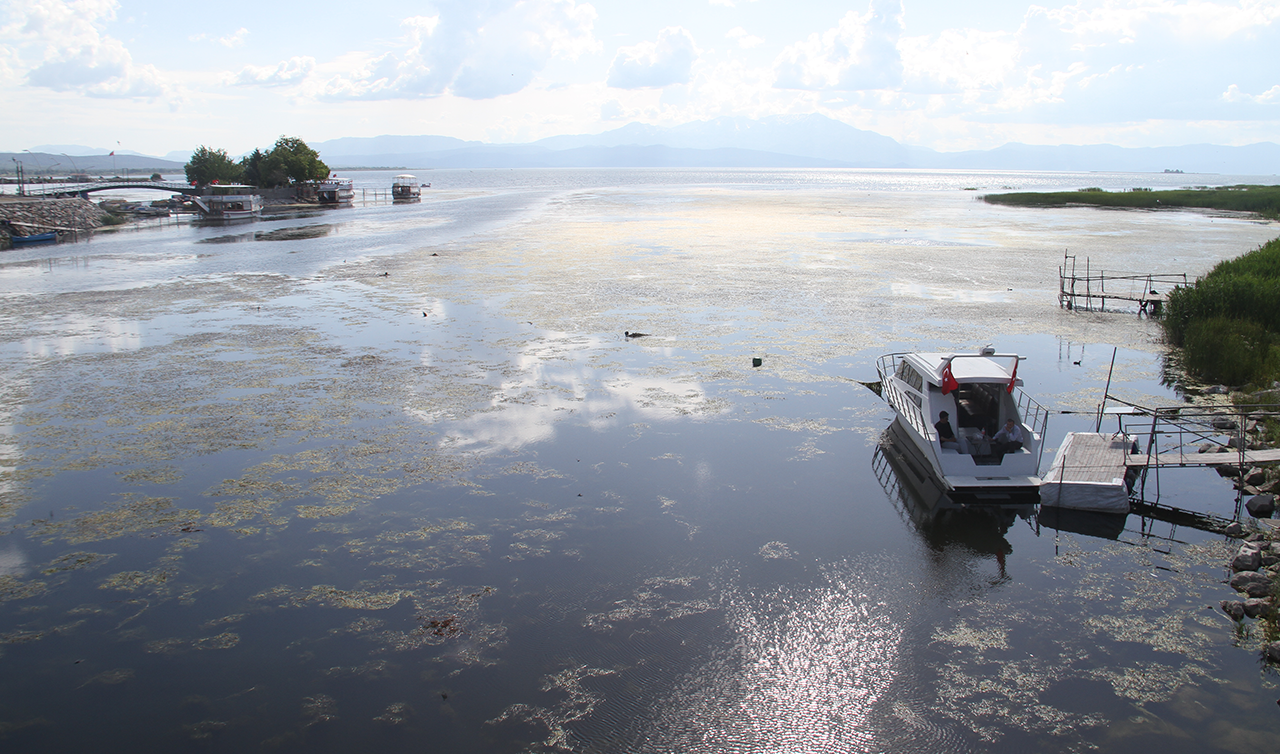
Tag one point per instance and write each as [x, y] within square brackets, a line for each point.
[1256, 573]
[43, 215]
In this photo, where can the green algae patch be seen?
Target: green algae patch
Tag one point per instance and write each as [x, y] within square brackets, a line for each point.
[14, 588]
[75, 561]
[130, 514]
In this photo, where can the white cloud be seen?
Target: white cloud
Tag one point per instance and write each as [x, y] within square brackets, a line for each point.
[745, 40]
[235, 40]
[1271, 96]
[68, 52]
[475, 51]
[291, 71]
[664, 62]
[860, 53]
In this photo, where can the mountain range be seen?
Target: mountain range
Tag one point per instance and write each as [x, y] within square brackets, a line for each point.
[803, 141]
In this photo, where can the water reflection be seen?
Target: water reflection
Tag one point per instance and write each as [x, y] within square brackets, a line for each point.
[943, 525]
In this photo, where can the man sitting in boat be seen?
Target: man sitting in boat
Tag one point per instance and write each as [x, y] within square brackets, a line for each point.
[1008, 439]
[946, 435]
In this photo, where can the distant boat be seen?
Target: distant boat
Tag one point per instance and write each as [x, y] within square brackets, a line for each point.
[404, 188]
[232, 201]
[335, 191]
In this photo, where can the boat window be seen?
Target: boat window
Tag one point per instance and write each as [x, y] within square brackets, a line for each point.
[910, 376]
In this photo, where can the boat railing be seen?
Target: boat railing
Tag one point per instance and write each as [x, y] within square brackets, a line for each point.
[1035, 417]
[886, 367]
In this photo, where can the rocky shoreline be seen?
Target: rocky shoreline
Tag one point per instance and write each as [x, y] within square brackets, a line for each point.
[1256, 575]
[42, 215]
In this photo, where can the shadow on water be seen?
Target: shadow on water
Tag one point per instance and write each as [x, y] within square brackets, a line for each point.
[921, 500]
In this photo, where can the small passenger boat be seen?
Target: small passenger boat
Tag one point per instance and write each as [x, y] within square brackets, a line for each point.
[34, 238]
[980, 393]
[405, 188]
[335, 191]
[229, 201]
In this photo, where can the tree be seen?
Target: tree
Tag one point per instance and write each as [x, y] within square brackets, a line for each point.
[211, 165]
[291, 159]
[252, 166]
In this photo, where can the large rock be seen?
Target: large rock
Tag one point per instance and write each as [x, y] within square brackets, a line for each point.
[1233, 608]
[1255, 476]
[1234, 529]
[1244, 578]
[1255, 606]
[1248, 559]
[1273, 651]
[1261, 506]
[1258, 591]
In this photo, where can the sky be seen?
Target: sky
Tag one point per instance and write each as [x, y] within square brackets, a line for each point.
[155, 77]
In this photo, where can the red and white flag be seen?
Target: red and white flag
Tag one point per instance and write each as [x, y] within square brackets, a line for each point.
[948, 379]
[1013, 380]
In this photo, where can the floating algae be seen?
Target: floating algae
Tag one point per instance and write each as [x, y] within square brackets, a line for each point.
[131, 513]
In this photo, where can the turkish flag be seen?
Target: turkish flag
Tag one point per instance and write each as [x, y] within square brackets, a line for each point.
[948, 380]
[1014, 379]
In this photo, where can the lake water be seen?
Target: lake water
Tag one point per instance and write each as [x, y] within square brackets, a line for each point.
[391, 478]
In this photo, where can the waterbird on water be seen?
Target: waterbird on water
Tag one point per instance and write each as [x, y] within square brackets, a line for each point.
[629, 334]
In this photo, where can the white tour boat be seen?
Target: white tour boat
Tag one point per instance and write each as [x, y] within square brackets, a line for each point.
[335, 191]
[230, 201]
[405, 188]
[980, 393]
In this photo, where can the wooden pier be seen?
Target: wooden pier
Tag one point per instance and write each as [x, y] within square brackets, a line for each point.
[1089, 291]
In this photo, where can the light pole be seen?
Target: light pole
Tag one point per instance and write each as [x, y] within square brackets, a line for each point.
[18, 167]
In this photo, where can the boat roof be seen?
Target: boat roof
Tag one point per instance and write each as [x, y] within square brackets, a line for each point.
[406, 177]
[965, 367]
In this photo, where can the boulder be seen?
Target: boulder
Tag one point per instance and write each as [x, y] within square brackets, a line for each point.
[1244, 578]
[1255, 606]
[1273, 652]
[1223, 422]
[1248, 559]
[1255, 476]
[1234, 608]
[1258, 590]
[1234, 529]
[1261, 506]
[1217, 390]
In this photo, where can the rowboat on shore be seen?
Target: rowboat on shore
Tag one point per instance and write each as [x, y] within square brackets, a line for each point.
[34, 238]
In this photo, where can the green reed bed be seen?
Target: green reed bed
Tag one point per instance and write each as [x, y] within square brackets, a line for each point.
[1228, 322]
[1262, 200]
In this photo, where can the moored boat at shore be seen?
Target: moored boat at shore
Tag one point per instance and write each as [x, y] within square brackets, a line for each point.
[405, 188]
[985, 461]
[335, 191]
[229, 202]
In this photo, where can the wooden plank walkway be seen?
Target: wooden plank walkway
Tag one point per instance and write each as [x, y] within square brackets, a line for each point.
[1096, 458]
[1231, 458]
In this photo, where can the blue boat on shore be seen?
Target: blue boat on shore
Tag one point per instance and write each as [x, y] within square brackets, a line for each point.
[35, 238]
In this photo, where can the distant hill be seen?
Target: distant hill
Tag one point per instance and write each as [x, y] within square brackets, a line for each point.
[44, 163]
[782, 141]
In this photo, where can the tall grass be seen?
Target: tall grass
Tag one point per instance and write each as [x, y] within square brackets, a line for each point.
[1228, 323]
[1262, 200]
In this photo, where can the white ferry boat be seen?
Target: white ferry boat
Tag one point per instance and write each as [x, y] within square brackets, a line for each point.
[335, 191]
[405, 188]
[230, 201]
[980, 393]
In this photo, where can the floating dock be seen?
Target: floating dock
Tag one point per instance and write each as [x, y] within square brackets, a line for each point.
[1090, 472]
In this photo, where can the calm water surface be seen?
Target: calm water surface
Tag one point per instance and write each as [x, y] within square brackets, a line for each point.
[390, 477]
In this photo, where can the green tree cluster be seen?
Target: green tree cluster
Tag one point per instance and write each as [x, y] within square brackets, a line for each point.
[212, 166]
[289, 161]
[1228, 323]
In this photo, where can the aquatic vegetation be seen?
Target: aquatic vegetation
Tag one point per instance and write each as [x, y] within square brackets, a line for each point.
[1263, 200]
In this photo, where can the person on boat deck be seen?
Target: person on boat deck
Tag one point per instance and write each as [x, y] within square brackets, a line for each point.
[1008, 439]
[945, 434]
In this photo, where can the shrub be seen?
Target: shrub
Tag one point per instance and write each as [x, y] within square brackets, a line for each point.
[1232, 351]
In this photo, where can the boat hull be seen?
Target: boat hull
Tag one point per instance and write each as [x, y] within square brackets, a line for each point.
[993, 490]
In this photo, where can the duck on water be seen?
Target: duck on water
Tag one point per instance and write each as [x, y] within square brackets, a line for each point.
[986, 449]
